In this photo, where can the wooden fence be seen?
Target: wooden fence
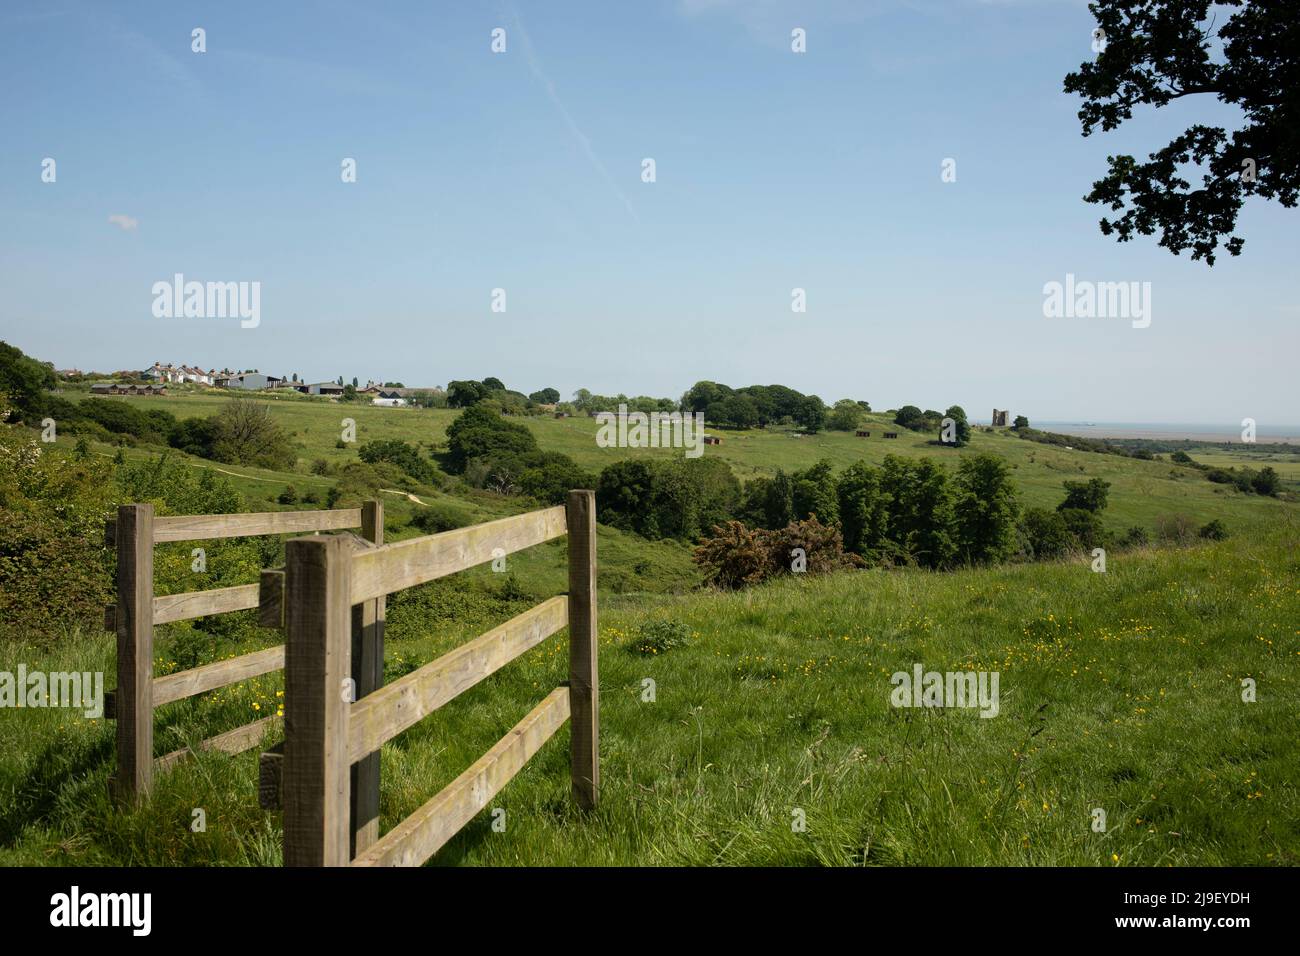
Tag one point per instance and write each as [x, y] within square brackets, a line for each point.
[329, 731]
[134, 533]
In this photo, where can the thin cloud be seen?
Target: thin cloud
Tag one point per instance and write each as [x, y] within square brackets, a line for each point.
[125, 222]
[531, 56]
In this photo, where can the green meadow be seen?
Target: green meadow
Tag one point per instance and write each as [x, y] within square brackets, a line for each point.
[768, 736]
[1141, 491]
[770, 739]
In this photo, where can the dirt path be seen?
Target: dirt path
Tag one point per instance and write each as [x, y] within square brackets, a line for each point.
[409, 496]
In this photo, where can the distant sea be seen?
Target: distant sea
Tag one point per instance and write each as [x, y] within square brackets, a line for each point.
[1170, 430]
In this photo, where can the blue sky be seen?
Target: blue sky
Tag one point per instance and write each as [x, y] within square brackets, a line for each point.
[522, 171]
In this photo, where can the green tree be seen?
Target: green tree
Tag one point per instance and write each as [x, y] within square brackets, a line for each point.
[246, 434]
[920, 510]
[734, 411]
[703, 394]
[26, 382]
[1266, 481]
[481, 432]
[545, 396]
[961, 427]
[494, 384]
[1020, 422]
[986, 509]
[862, 507]
[909, 416]
[1044, 534]
[463, 394]
[844, 417]
[1089, 495]
[814, 493]
[811, 414]
[1157, 51]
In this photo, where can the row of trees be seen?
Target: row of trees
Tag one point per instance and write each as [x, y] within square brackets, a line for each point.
[907, 510]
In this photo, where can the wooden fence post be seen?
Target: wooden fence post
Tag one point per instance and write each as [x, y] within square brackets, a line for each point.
[368, 673]
[584, 676]
[318, 651]
[134, 700]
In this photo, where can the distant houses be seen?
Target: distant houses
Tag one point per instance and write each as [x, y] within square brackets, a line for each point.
[159, 375]
[177, 374]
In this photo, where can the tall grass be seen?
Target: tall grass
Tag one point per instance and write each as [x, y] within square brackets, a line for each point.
[1120, 692]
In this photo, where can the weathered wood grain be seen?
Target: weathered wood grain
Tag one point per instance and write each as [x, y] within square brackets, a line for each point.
[318, 652]
[386, 713]
[134, 619]
[408, 563]
[211, 676]
[231, 742]
[368, 672]
[584, 672]
[200, 527]
[426, 830]
[184, 607]
[270, 777]
[270, 598]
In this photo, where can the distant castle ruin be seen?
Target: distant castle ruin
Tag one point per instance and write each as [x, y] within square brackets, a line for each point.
[1000, 417]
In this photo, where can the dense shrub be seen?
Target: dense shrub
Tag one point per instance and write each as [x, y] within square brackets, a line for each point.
[1087, 495]
[1085, 526]
[26, 382]
[54, 568]
[1044, 534]
[481, 432]
[667, 498]
[405, 456]
[1266, 481]
[660, 636]
[1134, 537]
[1214, 531]
[735, 556]
[550, 476]
[246, 434]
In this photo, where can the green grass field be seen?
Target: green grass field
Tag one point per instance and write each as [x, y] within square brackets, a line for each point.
[1141, 491]
[1119, 691]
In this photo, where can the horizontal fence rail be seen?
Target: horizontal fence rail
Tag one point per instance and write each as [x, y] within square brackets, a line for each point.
[425, 831]
[377, 719]
[396, 567]
[329, 734]
[201, 527]
[133, 533]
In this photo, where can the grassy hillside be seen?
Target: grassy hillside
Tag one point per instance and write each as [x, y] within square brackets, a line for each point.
[1141, 490]
[1119, 691]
